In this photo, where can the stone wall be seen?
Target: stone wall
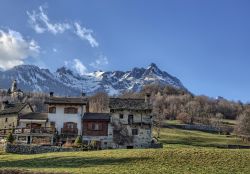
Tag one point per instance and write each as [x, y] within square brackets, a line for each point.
[36, 149]
[208, 128]
[202, 127]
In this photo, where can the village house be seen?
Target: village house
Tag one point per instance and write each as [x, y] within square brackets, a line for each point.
[10, 113]
[34, 128]
[65, 114]
[132, 122]
[97, 128]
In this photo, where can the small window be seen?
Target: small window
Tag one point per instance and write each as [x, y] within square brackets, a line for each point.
[130, 119]
[70, 125]
[95, 126]
[134, 131]
[70, 110]
[6, 120]
[52, 110]
[121, 116]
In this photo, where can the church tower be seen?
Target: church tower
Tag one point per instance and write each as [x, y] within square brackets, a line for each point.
[14, 86]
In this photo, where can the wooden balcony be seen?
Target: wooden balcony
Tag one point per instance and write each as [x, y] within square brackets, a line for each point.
[18, 131]
[70, 132]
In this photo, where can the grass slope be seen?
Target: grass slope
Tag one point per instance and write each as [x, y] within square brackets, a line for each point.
[167, 160]
[198, 138]
[184, 152]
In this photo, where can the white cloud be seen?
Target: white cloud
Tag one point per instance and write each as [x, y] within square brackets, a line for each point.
[100, 62]
[85, 34]
[41, 23]
[14, 49]
[79, 67]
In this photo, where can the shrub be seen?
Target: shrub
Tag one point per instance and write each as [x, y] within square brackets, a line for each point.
[78, 141]
[93, 144]
[10, 138]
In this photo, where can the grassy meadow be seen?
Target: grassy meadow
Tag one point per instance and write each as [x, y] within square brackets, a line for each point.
[184, 152]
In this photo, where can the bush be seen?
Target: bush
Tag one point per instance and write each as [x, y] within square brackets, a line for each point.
[93, 145]
[10, 138]
[78, 141]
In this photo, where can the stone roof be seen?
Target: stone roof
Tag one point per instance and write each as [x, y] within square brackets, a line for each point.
[96, 116]
[13, 108]
[34, 116]
[128, 103]
[67, 100]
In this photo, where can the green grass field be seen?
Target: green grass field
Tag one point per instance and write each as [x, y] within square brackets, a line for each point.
[184, 152]
[198, 138]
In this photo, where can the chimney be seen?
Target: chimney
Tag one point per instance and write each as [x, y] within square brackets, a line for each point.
[83, 94]
[51, 94]
[147, 98]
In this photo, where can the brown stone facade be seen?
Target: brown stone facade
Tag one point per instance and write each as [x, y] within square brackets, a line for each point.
[9, 121]
[95, 128]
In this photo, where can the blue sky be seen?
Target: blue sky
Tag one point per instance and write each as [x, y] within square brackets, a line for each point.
[206, 44]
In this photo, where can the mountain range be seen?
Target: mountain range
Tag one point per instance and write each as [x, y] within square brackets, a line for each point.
[66, 82]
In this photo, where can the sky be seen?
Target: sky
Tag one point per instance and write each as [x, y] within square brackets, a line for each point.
[206, 44]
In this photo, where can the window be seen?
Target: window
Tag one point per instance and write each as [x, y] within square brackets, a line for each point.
[134, 131]
[70, 126]
[95, 126]
[52, 110]
[121, 116]
[70, 110]
[130, 119]
[6, 120]
[52, 124]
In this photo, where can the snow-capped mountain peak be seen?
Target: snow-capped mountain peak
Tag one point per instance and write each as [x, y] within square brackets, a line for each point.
[66, 82]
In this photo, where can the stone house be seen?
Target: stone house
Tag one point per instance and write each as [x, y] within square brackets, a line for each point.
[97, 128]
[34, 128]
[10, 113]
[132, 122]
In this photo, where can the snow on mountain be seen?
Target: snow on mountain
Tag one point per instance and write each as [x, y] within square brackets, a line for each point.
[66, 82]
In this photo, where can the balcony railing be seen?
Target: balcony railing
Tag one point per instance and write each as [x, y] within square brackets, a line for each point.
[44, 130]
[67, 131]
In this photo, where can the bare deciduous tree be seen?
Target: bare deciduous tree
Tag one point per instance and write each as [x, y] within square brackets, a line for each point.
[159, 113]
[243, 126]
[99, 102]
